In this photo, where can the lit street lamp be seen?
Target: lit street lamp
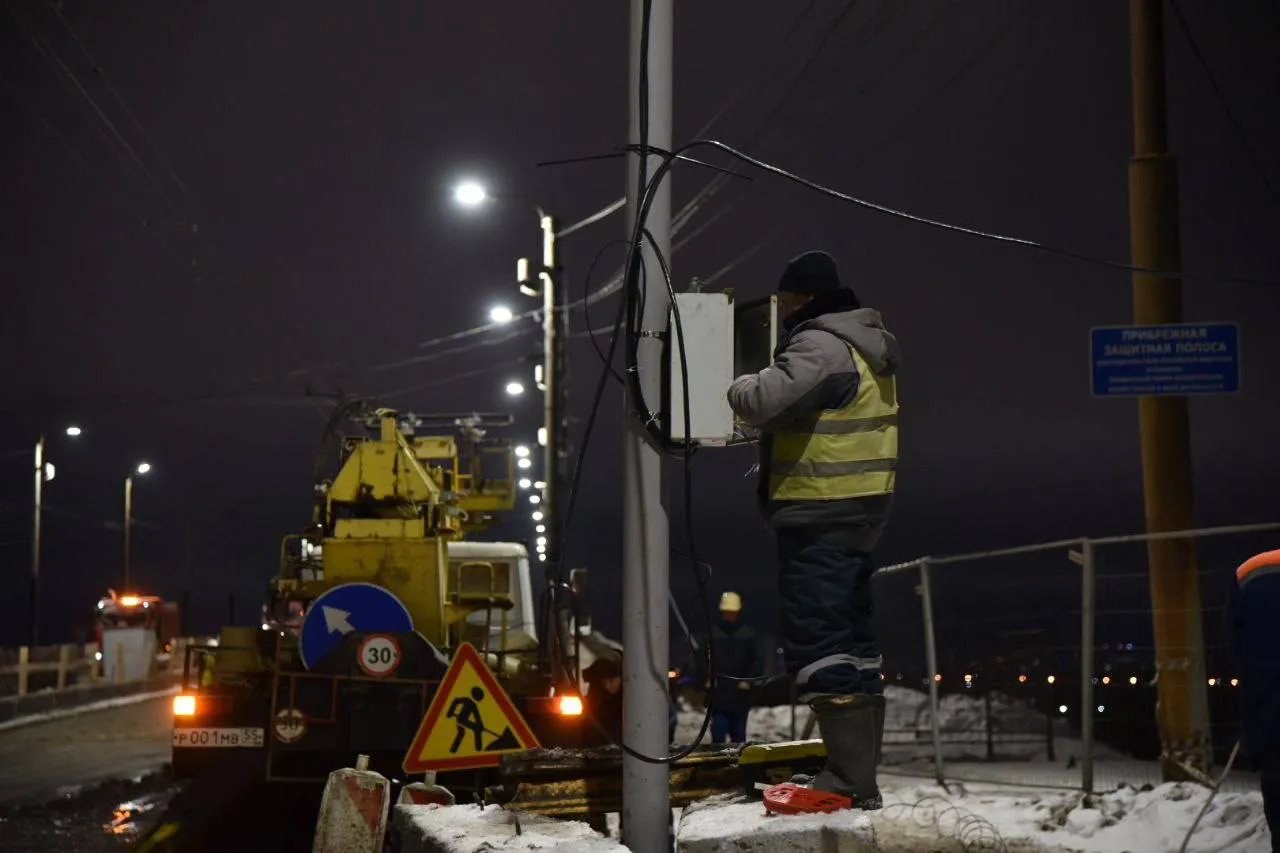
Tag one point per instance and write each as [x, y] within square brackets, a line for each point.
[44, 472]
[501, 314]
[470, 194]
[515, 389]
[142, 469]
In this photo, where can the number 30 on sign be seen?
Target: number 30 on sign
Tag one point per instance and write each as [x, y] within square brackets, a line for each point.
[379, 655]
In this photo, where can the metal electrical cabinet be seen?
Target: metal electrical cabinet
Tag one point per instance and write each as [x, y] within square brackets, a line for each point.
[722, 341]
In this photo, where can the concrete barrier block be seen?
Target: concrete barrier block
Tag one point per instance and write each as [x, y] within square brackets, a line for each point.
[734, 824]
[467, 828]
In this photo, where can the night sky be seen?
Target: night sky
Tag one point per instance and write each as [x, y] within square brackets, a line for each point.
[274, 218]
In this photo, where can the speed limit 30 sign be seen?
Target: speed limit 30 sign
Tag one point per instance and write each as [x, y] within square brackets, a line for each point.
[379, 655]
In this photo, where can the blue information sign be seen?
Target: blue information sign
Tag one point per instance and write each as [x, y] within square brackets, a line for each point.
[358, 607]
[1173, 359]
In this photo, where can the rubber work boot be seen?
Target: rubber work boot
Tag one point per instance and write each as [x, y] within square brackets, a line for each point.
[852, 731]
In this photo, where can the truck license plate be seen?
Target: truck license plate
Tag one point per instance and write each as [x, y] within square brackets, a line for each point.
[218, 737]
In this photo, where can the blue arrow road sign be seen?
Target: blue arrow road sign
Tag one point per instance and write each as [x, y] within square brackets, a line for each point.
[361, 607]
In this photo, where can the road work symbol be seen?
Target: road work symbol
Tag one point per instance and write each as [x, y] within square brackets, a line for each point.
[465, 713]
[471, 721]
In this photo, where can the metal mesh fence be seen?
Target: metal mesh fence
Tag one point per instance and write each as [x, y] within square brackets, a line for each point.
[1043, 662]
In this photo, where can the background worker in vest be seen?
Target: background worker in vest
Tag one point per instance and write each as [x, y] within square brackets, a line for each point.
[737, 663]
[1255, 645]
[826, 411]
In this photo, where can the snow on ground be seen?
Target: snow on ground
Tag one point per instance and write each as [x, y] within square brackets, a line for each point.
[1007, 796]
[100, 705]
[1128, 820]
[733, 823]
[466, 828]
[1019, 729]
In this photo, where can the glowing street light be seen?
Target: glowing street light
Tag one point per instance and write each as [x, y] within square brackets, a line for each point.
[140, 469]
[44, 472]
[522, 451]
[515, 389]
[501, 314]
[542, 528]
[524, 463]
[537, 515]
[525, 483]
[470, 194]
[535, 499]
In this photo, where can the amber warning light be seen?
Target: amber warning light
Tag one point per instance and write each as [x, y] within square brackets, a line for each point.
[184, 706]
[569, 706]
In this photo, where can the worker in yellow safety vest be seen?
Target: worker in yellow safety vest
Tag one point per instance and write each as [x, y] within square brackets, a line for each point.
[826, 411]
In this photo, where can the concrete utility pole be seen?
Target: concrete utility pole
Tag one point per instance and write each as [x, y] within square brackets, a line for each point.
[128, 528]
[646, 809]
[34, 603]
[1182, 702]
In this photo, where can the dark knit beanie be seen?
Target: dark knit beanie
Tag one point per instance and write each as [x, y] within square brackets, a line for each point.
[811, 274]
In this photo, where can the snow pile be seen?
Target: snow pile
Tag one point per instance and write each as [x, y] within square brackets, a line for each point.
[1127, 820]
[906, 717]
[463, 829]
[734, 823]
[87, 708]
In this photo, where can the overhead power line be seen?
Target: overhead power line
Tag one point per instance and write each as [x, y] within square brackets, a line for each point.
[942, 225]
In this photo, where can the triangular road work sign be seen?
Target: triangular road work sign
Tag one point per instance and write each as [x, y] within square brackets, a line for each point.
[471, 721]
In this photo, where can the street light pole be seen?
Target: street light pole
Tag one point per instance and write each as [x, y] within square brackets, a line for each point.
[552, 395]
[646, 807]
[128, 525]
[34, 603]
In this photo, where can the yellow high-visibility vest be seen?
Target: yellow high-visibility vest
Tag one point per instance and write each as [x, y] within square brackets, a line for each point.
[834, 454]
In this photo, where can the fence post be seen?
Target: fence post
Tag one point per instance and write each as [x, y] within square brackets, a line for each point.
[24, 660]
[64, 664]
[1088, 603]
[990, 724]
[931, 663]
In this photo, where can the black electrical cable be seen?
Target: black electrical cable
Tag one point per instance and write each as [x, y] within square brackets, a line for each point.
[697, 563]
[669, 158]
[586, 307]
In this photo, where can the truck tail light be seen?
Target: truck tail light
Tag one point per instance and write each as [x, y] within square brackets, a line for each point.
[184, 705]
[569, 705]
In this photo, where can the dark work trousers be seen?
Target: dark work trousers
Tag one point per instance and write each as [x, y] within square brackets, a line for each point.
[1269, 770]
[729, 727]
[828, 639]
